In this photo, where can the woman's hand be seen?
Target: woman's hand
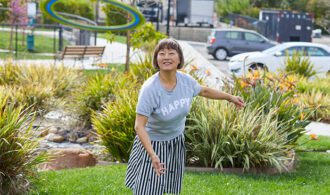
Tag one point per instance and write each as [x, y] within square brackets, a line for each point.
[238, 101]
[158, 167]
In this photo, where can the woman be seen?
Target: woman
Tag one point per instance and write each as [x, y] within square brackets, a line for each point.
[157, 159]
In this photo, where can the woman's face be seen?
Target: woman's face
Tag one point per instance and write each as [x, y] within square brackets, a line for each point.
[168, 59]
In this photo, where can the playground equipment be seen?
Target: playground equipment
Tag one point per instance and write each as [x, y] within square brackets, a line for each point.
[136, 16]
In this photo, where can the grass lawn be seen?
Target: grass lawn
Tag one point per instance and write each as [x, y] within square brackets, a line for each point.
[118, 67]
[118, 38]
[322, 144]
[25, 55]
[42, 44]
[310, 177]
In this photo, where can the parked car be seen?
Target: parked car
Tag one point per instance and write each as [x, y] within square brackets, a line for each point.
[228, 42]
[274, 58]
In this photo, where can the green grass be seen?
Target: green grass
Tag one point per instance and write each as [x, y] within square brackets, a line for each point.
[117, 67]
[322, 144]
[310, 177]
[118, 38]
[42, 44]
[25, 55]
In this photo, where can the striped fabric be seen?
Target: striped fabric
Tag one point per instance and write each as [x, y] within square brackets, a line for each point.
[142, 178]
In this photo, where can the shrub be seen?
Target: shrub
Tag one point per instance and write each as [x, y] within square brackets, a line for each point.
[81, 8]
[115, 123]
[317, 103]
[319, 84]
[37, 87]
[142, 69]
[17, 148]
[218, 136]
[297, 64]
[275, 92]
[97, 91]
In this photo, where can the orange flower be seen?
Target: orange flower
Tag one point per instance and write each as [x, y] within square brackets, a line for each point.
[103, 65]
[207, 72]
[193, 67]
[302, 116]
[314, 136]
[243, 83]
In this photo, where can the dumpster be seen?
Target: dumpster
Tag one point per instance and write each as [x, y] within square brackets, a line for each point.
[30, 43]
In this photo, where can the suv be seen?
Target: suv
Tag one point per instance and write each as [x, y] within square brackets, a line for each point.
[228, 42]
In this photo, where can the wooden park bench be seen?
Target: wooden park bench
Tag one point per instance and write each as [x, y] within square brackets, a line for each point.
[81, 52]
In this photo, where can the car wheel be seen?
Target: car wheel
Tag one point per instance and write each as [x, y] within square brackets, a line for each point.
[221, 54]
[258, 67]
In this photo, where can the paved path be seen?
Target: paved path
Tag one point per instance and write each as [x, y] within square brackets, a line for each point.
[318, 128]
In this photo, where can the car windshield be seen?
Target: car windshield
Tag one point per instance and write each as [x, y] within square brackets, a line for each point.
[273, 49]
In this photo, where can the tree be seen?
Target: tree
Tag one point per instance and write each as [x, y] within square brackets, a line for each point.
[18, 16]
[117, 16]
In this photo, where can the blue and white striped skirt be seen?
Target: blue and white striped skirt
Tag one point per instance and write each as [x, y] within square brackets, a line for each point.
[142, 178]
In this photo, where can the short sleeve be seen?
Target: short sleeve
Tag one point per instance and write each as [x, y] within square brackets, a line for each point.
[145, 104]
[195, 85]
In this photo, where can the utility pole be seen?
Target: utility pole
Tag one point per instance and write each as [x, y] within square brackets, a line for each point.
[168, 18]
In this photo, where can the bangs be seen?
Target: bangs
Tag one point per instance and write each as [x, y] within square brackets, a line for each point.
[168, 44]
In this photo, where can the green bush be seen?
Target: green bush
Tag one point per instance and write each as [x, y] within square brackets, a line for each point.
[319, 84]
[81, 8]
[115, 123]
[146, 37]
[317, 103]
[97, 91]
[297, 64]
[114, 15]
[275, 93]
[4, 14]
[37, 87]
[219, 136]
[17, 148]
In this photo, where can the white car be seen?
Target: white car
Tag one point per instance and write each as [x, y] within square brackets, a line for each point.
[274, 58]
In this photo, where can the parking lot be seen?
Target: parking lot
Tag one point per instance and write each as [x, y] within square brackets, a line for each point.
[223, 65]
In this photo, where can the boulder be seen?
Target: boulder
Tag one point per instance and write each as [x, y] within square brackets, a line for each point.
[55, 138]
[43, 133]
[82, 140]
[66, 158]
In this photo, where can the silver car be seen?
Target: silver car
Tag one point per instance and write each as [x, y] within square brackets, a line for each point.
[223, 43]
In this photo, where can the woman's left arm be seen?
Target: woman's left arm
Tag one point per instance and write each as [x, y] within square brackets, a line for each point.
[219, 95]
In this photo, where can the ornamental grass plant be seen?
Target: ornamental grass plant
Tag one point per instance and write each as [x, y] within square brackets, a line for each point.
[18, 156]
[299, 64]
[115, 123]
[219, 136]
[38, 87]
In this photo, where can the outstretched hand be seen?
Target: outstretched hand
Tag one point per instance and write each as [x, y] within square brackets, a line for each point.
[158, 167]
[238, 101]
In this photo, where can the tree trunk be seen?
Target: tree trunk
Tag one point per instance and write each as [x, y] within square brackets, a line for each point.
[11, 39]
[128, 49]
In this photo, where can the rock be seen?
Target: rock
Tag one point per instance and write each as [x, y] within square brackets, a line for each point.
[72, 137]
[92, 136]
[66, 158]
[53, 130]
[82, 140]
[43, 133]
[55, 138]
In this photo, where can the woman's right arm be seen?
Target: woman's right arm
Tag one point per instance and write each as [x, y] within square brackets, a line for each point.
[140, 123]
